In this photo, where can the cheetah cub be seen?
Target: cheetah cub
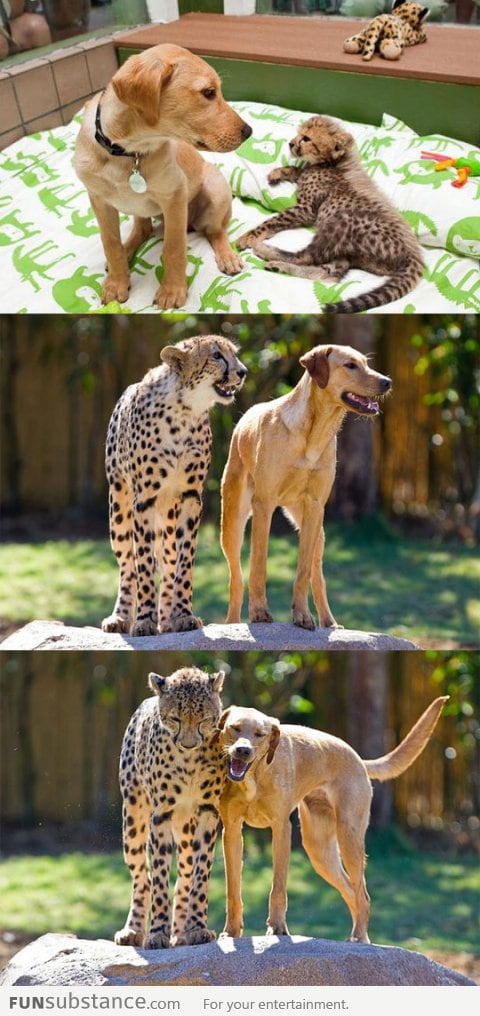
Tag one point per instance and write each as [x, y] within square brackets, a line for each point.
[157, 457]
[355, 224]
[171, 778]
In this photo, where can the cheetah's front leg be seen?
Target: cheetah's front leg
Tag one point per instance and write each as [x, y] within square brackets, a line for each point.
[144, 546]
[181, 616]
[160, 845]
[136, 818]
[121, 538]
[203, 847]
[290, 219]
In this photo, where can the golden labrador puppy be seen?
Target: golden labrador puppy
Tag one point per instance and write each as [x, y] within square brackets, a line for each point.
[272, 769]
[283, 453]
[138, 152]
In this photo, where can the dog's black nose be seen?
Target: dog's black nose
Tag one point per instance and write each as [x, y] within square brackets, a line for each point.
[243, 751]
[246, 131]
[386, 383]
[242, 372]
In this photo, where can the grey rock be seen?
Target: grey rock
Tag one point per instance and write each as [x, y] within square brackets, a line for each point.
[271, 637]
[66, 960]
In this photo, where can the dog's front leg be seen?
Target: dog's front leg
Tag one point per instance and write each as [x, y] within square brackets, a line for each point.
[319, 587]
[173, 290]
[278, 902]
[262, 517]
[232, 854]
[116, 284]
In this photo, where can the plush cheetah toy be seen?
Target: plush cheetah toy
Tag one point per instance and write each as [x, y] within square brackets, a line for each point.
[388, 34]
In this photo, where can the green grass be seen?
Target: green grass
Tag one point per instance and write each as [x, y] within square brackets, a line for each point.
[419, 901]
[376, 582]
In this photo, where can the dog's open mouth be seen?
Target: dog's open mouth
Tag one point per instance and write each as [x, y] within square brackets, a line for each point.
[360, 404]
[237, 768]
[226, 391]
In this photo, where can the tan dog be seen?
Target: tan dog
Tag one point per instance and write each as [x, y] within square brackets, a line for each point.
[283, 453]
[271, 770]
[129, 162]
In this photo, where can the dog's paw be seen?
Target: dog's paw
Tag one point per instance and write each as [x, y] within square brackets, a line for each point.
[329, 622]
[115, 289]
[144, 626]
[116, 623]
[181, 622]
[232, 931]
[167, 297]
[157, 940]
[303, 619]
[277, 928]
[229, 263]
[196, 936]
[128, 936]
[260, 615]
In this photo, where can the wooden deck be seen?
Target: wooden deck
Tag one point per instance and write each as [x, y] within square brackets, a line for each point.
[451, 53]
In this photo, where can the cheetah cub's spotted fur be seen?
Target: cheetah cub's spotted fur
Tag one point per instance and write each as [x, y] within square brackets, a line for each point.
[157, 457]
[388, 34]
[171, 778]
[355, 224]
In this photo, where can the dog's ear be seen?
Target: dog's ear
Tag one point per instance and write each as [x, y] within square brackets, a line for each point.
[138, 83]
[174, 357]
[273, 743]
[220, 725]
[316, 362]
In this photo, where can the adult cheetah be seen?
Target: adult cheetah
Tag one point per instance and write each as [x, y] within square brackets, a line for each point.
[171, 778]
[157, 457]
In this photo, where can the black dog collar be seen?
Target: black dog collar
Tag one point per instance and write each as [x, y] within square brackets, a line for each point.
[110, 146]
[136, 181]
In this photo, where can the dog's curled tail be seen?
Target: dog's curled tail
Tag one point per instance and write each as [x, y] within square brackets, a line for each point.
[399, 284]
[397, 761]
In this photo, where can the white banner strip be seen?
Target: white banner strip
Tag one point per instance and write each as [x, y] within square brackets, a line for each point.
[261, 1001]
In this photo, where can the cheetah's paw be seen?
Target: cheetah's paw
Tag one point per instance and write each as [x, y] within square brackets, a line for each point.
[145, 626]
[157, 940]
[182, 622]
[196, 936]
[116, 623]
[128, 936]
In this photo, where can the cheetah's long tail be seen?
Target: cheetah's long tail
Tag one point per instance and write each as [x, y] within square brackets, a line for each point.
[399, 284]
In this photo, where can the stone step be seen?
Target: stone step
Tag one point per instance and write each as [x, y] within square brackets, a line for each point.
[271, 637]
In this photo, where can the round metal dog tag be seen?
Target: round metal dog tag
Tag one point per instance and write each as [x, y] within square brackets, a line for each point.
[137, 182]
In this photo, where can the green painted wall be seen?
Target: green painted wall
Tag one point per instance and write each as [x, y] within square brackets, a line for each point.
[130, 12]
[204, 6]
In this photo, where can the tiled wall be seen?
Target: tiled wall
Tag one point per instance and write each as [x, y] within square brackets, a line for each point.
[47, 92]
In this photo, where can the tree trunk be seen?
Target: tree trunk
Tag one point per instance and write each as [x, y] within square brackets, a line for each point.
[368, 685]
[355, 491]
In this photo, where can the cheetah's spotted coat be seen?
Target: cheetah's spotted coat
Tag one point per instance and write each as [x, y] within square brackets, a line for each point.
[171, 778]
[157, 457]
[355, 224]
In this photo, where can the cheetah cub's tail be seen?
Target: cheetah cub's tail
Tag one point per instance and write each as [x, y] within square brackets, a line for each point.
[399, 284]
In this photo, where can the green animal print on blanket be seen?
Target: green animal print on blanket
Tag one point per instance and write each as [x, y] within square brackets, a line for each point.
[464, 236]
